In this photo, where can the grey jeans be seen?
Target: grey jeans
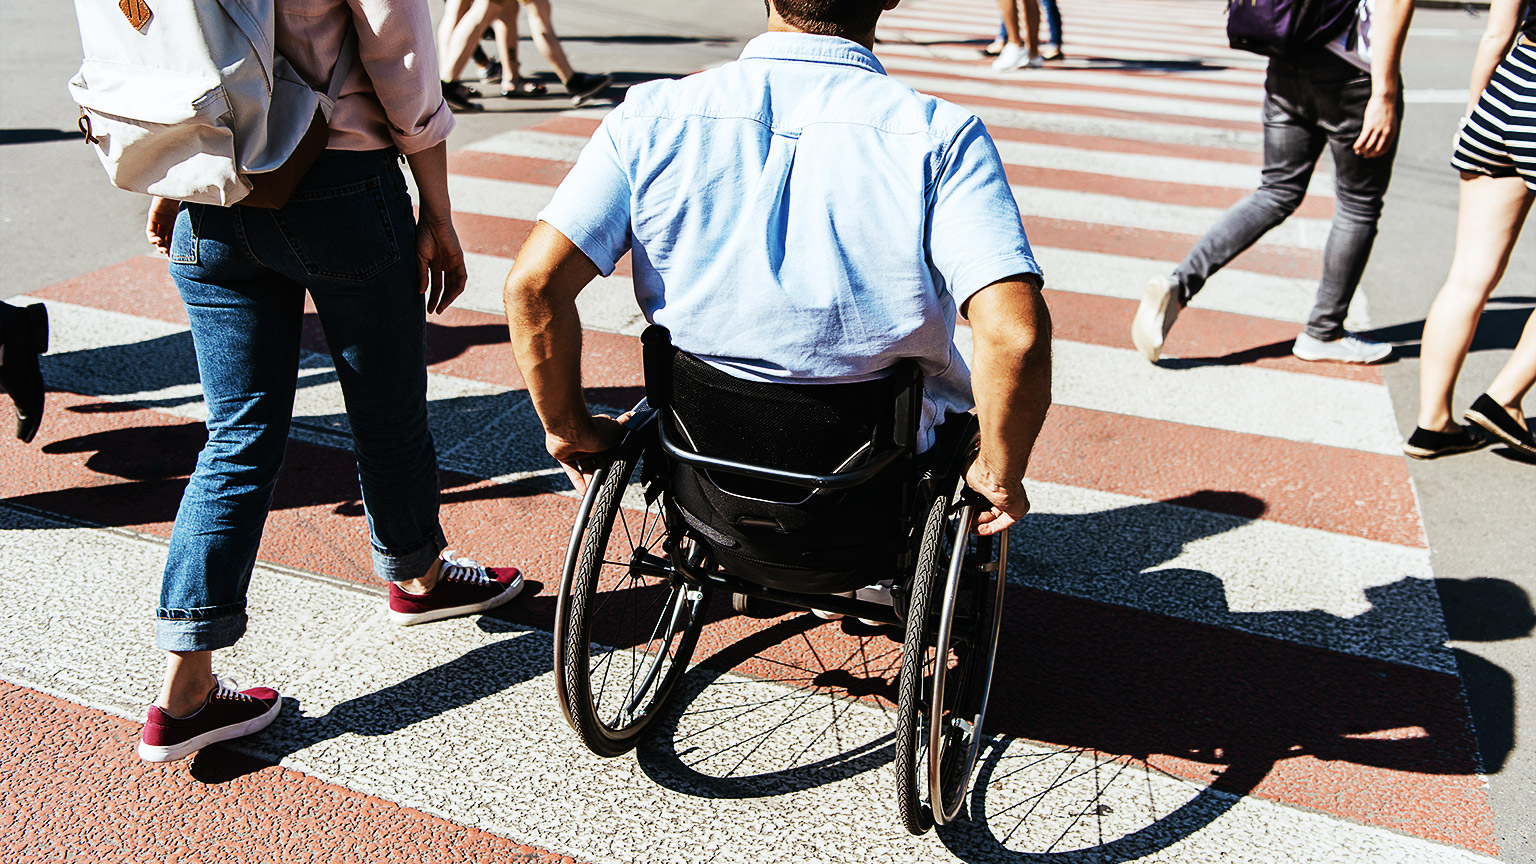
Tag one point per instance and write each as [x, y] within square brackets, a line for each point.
[1309, 102]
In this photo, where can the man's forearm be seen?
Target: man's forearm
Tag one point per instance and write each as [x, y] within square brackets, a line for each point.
[546, 342]
[1011, 378]
[540, 301]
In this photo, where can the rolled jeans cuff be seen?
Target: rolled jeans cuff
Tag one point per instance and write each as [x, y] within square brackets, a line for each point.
[399, 566]
[176, 630]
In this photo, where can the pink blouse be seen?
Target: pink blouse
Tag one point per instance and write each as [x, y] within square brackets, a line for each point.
[391, 96]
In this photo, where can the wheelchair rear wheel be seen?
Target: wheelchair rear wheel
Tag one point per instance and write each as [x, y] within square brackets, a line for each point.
[626, 622]
[948, 651]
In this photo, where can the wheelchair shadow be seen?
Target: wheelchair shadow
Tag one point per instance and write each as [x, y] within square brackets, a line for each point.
[1124, 719]
[820, 712]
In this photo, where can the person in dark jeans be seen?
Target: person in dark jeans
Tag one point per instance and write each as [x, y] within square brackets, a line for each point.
[1345, 96]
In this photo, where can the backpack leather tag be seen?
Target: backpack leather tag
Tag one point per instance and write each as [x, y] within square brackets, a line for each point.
[136, 11]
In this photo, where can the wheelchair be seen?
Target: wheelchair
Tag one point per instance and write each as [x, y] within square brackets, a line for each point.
[797, 494]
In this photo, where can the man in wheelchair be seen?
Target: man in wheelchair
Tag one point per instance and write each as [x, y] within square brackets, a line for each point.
[803, 231]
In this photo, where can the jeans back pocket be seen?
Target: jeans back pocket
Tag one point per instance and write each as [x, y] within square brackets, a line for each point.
[341, 232]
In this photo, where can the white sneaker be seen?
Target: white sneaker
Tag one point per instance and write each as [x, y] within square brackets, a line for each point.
[1155, 316]
[1036, 62]
[1010, 58]
[1349, 349]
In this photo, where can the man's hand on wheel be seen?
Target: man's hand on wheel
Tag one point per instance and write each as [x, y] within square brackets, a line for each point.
[1008, 499]
[575, 452]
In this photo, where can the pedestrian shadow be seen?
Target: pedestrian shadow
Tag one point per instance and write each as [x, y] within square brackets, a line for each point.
[1498, 328]
[1119, 676]
[1485, 609]
[480, 437]
[557, 102]
[35, 136]
[479, 674]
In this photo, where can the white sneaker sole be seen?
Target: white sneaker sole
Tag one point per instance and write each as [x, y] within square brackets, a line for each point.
[1150, 326]
[1321, 357]
[173, 752]
[407, 619]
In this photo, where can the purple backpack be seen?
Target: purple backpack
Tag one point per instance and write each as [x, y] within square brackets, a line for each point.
[1284, 28]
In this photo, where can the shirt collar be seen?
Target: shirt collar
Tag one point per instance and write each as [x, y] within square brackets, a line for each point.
[811, 48]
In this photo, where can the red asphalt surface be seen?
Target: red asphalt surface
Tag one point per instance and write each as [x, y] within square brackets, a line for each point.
[108, 806]
[1354, 738]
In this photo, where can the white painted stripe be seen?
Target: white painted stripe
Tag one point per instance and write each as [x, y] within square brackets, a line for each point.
[1240, 292]
[1155, 107]
[1333, 591]
[901, 59]
[538, 145]
[1102, 209]
[1310, 409]
[1110, 127]
[607, 304]
[510, 199]
[1164, 169]
[1291, 405]
[424, 717]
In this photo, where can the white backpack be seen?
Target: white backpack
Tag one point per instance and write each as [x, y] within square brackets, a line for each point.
[187, 99]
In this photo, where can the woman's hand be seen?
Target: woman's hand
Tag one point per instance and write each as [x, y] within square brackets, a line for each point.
[160, 223]
[439, 262]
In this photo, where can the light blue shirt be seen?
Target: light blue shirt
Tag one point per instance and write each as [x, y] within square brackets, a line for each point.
[798, 214]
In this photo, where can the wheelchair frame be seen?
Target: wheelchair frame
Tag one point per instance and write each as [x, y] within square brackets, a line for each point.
[952, 588]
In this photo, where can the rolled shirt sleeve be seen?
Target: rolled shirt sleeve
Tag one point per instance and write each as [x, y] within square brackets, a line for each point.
[592, 206]
[976, 236]
[397, 50]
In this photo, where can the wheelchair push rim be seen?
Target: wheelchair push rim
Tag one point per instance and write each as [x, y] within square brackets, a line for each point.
[626, 622]
[955, 614]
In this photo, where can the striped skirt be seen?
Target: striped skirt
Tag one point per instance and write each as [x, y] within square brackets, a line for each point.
[1499, 139]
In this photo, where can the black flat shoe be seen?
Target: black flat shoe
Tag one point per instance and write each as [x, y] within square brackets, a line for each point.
[1425, 444]
[460, 98]
[24, 330]
[1490, 415]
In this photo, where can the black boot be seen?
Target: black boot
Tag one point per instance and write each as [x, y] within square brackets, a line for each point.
[24, 332]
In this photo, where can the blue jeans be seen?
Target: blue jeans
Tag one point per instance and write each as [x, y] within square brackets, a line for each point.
[347, 236]
[1309, 103]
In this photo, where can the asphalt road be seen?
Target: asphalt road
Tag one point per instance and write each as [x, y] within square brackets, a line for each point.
[59, 219]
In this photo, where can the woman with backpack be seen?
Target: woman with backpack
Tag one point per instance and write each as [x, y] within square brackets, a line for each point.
[347, 238]
[1496, 153]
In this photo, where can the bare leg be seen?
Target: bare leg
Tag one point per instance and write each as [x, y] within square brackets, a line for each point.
[1010, 10]
[459, 43]
[1028, 35]
[1519, 373]
[188, 681]
[505, 30]
[1488, 220]
[1031, 32]
[541, 25]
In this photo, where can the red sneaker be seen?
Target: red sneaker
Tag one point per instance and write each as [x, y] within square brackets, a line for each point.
[463, 587]
[227, 714]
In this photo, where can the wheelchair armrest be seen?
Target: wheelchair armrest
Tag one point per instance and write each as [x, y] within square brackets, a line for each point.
[836, 480]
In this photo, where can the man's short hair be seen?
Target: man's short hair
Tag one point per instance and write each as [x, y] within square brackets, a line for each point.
[831, 17]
